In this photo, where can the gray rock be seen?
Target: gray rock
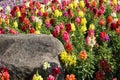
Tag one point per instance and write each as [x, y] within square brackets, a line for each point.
[24, 53]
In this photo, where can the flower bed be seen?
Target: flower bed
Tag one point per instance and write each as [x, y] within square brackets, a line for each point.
[88, 29]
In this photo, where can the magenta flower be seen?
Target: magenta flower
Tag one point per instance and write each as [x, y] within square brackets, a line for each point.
[39, 13]
[86, 1]
[65, 13]
[65, 36]
[90, 33]
[60, 6]
[95, 10]
[48, 25]
[50, 77]
[45, 1]
[24, 1]
[100, 12]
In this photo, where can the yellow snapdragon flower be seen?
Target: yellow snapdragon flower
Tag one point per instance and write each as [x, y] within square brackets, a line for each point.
[80, 14]
[38, 26]
[60, 13]
[18, 14]
[68, 59]
[37, 32]
[0, 21]
[115, 2]
[71, 6]
[15, 24]
[74, 4]
[104, 0]
[92, 26]
[83, 21]
[73, 26]
[83, 29]
[42, 10]
[82, 4]
[37, 76]
[63, 55]
[36, 11]
[57, 13]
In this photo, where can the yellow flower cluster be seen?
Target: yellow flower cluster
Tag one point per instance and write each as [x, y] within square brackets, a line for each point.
[15, 24]
[115, 2]
[37, 76]
[92, 26]
[68, 59]
[73, 5]
[57, 13]
[18, 14]
[82, 4]
[81, 14]
[83, 27]
[38, 26]
[73, 26]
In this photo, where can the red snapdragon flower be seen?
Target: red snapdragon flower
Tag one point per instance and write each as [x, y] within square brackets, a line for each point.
[32, 30]
[13, 31]
[113, 26]
[50, 77]
[38, 5]
[55, 71]
[102, 22]
[56, 31]
[1, 31]
[117, 31]
[4, 75]
[105, 65]
[100, 75]
[68, 27]
[68, 47]
[22, 8]
[118, 22]
[104, 36]
[45, 14]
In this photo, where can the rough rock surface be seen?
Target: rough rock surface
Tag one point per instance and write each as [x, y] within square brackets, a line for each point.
[23, 54]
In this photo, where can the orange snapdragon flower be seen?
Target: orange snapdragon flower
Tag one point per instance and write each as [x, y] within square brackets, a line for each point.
[94, 3]
[109, 19]
[70, 77]
[82, 55]
[38, 5]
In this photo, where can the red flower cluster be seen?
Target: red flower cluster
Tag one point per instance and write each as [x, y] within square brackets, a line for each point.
[4, 75]
[100, 75]
[55, 71]
[105, 65]
[104, 36]
[1, 31]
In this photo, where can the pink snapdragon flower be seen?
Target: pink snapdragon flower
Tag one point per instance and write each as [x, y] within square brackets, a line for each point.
[65, 36]
[78, 20]
[50, 77]
[45, 1]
